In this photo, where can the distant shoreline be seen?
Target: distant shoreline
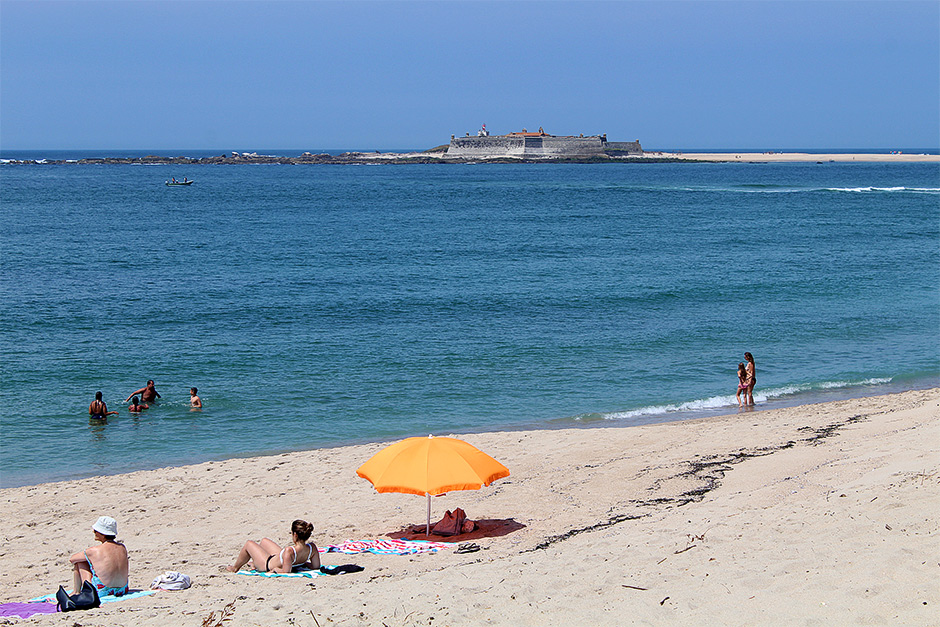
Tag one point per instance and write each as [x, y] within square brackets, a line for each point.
[440, 157]
[803, 157]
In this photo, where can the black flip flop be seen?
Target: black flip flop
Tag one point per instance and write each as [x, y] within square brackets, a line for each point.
[467, 547]
[341, 570]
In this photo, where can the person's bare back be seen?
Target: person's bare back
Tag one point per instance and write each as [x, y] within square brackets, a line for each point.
[109, 560]
[105, 566]
[98, 409]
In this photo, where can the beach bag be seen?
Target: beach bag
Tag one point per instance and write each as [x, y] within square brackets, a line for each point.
[451, 524]
[86, 599]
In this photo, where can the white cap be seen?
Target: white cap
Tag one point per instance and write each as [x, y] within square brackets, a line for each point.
[106, 526]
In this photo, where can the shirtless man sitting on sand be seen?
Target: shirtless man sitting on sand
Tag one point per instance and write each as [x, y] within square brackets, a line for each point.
[105, 565]
[147, 394]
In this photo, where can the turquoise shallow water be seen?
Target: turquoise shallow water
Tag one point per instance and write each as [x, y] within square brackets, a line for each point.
[322, 305]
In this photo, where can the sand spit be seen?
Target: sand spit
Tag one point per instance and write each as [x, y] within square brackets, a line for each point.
[798, 157]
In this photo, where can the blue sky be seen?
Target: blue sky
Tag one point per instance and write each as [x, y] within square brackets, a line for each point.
[396, 75]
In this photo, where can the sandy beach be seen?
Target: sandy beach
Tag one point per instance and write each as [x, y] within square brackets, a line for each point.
[819, 514]
[799, 157]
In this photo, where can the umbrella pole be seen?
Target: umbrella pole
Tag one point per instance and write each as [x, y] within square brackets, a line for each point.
[427, 530]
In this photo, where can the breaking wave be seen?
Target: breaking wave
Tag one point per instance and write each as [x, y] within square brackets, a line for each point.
[915, 190]
[729, 400]
[783, 189]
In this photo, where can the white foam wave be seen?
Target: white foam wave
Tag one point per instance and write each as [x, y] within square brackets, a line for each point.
[803, 190]
[832, 385]
[714, 402]
[729, 400]
[920, 190]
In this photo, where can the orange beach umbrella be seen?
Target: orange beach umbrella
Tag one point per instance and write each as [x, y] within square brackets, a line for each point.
[431, 466]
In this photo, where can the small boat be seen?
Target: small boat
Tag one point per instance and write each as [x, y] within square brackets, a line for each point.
[175, 183]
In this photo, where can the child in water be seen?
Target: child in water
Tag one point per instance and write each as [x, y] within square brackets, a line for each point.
[194, 400]
[742, 382]
[136, 406]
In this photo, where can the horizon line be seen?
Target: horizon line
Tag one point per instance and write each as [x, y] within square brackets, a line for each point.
[761, 149]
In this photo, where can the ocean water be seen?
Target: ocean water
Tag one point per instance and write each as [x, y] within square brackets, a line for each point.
[322, 305]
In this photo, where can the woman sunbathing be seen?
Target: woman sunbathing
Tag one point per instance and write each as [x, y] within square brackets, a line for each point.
[105, 565]
[267, 556]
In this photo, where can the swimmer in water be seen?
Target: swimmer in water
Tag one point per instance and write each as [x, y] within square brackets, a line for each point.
[136, 406]
[98, 410]
[148, 394]
[194, 401]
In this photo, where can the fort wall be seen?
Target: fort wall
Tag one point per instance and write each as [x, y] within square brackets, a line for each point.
[631, 148]
[539, 146]
[486, 146]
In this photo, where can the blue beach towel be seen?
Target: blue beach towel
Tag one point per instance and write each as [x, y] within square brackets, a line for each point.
[108, 598]
[300, 572]
[306, 572]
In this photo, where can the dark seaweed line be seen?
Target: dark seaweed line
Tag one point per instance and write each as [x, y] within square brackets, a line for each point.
[710, 470]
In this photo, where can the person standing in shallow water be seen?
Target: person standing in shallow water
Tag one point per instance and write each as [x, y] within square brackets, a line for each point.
[98, 410]
[194, 400]
[751, 378]
[147, 394]
[742, 383]
[136, 406]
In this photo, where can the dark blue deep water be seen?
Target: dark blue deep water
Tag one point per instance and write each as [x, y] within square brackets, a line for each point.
[321, 305]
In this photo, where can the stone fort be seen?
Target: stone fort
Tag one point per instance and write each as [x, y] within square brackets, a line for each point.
[538, 145]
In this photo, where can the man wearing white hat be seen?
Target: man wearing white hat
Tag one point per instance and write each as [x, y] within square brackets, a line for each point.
[104, 565]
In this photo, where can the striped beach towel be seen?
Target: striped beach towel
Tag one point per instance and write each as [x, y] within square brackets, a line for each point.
[385, 547]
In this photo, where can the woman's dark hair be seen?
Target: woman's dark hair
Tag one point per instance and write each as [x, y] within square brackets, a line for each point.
[302, 528]
[749, 356]
[97, 396]
[741, 366]
[135, 401]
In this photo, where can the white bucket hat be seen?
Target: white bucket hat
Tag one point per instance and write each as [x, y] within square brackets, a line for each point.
[106, 526]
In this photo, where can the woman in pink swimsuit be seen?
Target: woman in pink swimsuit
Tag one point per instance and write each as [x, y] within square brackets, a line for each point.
[267, 556]
[742, 383]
